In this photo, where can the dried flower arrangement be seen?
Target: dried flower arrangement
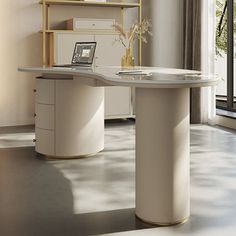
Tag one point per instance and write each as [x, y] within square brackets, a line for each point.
[136, 31]
[127, 38]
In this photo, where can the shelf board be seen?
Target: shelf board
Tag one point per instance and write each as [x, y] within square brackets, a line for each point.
[80, 31]
[92, 4]
[52, 31]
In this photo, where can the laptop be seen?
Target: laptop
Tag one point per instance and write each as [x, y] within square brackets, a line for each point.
[83, 55]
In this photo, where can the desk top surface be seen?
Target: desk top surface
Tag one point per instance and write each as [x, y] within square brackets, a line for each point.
[156, 77]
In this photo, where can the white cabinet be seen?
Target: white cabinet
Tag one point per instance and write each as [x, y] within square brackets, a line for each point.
[108, 53]
[118, 102]
[117, 99]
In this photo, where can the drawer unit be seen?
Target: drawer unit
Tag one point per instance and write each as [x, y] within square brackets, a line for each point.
[45, 91]
[90, 24]
[45, 142]
[63, 129]
[44, 116]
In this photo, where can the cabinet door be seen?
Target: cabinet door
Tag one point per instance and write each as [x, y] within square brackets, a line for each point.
[117, 99]
[64, 44]
[108, 52]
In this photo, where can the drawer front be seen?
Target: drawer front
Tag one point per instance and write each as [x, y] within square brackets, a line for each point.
[45, 91]
[45, 142]
[44, 118]
[98, 24]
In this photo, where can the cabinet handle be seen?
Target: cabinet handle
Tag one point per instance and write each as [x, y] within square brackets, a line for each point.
[35, 90]
[34, 140]
[35, 115]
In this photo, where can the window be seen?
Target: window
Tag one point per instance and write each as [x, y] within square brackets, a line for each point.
[225, 63]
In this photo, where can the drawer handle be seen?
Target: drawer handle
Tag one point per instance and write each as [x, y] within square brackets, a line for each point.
[35, 115]
[59, 78]
[34, 140]
[35, 90]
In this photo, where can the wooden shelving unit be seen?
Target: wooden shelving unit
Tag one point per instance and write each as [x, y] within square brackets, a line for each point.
[46, 17]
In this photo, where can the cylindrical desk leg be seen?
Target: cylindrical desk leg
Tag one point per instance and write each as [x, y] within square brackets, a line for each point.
[162, 155]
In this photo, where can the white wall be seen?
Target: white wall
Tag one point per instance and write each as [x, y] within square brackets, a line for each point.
[165, 47]
[20, 44]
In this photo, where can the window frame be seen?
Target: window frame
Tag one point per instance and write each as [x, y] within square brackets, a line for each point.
[230, 55]
[229, 104]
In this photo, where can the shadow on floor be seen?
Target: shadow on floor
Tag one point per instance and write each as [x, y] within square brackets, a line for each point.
[36, 199]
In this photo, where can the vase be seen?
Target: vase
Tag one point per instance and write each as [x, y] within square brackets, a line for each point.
[128, 59]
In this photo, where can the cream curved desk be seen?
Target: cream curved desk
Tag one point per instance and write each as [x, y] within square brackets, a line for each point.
[162, 129]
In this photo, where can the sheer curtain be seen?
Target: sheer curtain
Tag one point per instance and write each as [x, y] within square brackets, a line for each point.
[208, 100]
[199, 54]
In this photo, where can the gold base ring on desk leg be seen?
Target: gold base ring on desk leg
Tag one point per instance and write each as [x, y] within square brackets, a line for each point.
[163, 223]
[52, 158]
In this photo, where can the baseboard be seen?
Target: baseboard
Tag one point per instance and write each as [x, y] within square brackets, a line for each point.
[17, 128]
[226, 122]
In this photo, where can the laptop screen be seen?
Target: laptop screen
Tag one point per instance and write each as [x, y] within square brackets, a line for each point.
[84, 53]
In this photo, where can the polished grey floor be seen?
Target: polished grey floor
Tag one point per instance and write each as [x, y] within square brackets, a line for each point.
[95, 195]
